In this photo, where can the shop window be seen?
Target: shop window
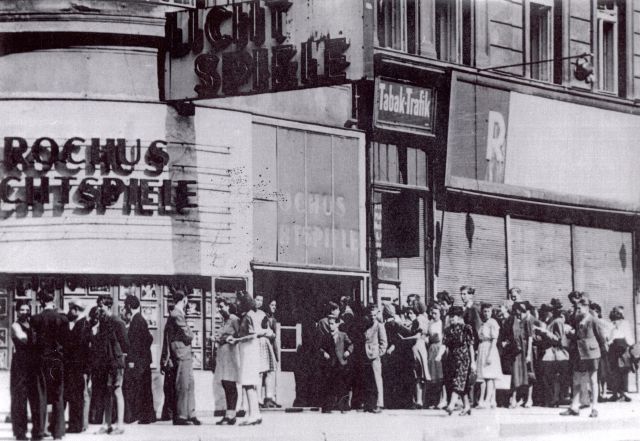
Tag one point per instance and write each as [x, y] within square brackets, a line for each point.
[399, 165]
[453, 31]
[398, 25]
[540, 28]
[607, 28]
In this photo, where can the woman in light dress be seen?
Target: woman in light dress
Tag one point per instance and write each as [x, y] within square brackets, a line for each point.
[435, 332]
[489, 366]
[249, 348]
[420, 329]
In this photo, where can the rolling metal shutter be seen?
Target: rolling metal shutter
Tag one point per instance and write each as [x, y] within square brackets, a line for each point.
[479, 262]
[540, 260]
[603, 268]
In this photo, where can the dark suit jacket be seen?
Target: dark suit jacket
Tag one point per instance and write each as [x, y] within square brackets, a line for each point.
[140, 340]
[336, 346]
[178, 336]
[589, 338]
[50, 331]
[76, 349]
[472, 318]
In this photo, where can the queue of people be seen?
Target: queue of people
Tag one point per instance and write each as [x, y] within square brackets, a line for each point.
[440, 356]
[450, 357]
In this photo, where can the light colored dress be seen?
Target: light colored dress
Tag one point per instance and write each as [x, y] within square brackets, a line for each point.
[228, 355]
[488, 335]
[435, 333]
[249, 374]
[421, 326]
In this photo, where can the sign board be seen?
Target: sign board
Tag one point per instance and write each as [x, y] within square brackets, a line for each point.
[260, 46]
[507, 142]
[404, 107]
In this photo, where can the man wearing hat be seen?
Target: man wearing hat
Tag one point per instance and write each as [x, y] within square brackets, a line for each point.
[76, 369]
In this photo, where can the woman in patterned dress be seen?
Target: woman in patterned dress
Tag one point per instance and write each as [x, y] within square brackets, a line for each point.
[489, 366]
[458, 341]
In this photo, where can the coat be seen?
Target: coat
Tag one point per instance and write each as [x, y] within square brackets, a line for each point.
[589, 338]
[336, 346]
[375, 341]
[140, 340]
[178, 336]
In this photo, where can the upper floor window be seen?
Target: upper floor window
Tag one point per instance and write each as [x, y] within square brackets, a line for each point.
[607, 45]
[540, 29]
[398, 25]
[453, 30]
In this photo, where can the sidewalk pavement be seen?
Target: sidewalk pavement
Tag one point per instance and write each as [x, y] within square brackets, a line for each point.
[617, 421]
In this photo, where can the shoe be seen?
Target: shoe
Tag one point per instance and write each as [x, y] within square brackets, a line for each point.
[569, 412]
[416, 406]
[614, 398]
[195, 421]
[117, 431]
[602, 399]
[466, 412]
[251, 423]
[270, 403]
[104, 430]
[21, 438]
[326, 411]
[625, 398]
[441, 405]
[493, 405]
[593, 414]
[181, 422]
[584, 406]
[448, 410]
[376, 410]
[527, 405]
[226, 422]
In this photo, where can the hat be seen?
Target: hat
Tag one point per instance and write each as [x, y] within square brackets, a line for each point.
[77, 306]
[388, 311]
[456, 311]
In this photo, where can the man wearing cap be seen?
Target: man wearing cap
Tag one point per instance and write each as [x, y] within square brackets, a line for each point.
[139, 364]
[76, 369]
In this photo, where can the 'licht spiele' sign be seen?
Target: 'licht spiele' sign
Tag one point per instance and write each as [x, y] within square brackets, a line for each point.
[403, 106]
[261, 46]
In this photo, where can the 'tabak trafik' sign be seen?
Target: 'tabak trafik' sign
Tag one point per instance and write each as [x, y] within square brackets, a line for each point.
[259, 46]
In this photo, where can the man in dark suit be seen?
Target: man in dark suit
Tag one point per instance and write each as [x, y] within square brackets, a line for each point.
[139, 365]
[588, 340]
[335, 350]
[50, 329]
[178, 338]
[76, 368]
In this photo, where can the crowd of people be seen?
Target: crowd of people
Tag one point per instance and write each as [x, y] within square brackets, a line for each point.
[440, 356]
[98, 365]
[447, 356]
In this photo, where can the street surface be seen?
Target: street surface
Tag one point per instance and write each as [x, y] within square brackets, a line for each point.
[617, 422]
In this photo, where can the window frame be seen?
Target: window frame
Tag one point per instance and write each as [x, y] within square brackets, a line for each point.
[544, 72]
[608, 16]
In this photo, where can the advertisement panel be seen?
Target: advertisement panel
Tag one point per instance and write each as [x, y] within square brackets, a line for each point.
[512, 143]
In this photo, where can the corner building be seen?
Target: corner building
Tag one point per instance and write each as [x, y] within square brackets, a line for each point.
[108, 185]
[523, 173]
